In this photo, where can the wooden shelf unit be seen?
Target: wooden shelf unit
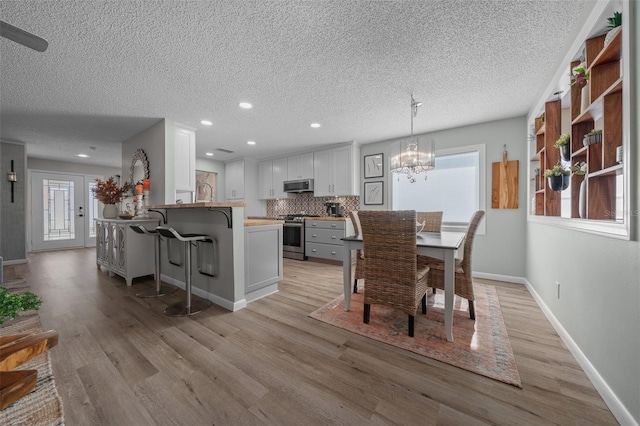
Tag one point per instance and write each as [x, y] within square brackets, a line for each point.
[603, 64]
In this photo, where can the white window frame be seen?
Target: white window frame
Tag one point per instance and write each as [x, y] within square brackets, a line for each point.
[481, 190]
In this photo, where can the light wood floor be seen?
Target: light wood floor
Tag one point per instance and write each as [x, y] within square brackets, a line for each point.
[120, 361]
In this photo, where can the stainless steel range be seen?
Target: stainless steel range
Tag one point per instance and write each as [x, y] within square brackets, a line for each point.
[293, 236]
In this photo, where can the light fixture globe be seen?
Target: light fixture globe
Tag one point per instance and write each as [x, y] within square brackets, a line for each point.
[413, 155]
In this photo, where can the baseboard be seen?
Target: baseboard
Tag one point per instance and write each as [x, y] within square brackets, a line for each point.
[225, 303]
[616, 406]
[498, 277]
[14, 262]
[262, 292]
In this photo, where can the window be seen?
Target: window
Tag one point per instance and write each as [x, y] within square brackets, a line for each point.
[456, 186]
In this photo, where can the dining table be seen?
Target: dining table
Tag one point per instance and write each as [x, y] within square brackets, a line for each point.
[440, 245]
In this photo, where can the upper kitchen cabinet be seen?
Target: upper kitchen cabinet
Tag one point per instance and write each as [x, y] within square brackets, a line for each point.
[336, 171]
[300, 166]
[272, 174]
[241, 185]
[185, 159]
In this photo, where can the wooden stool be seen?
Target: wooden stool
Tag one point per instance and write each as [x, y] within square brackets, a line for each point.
[187, 307]
[161, 289]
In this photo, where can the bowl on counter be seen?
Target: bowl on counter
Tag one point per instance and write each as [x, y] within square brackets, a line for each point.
[125, 216]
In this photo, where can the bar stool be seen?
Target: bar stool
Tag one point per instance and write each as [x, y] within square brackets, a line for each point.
[187, 307]
[161, 289]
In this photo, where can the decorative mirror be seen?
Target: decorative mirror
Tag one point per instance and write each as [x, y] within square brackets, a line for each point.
[139, 167]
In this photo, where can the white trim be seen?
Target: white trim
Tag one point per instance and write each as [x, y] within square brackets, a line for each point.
[225, 303]
[616, 406]
[15, 262]
[499, 277]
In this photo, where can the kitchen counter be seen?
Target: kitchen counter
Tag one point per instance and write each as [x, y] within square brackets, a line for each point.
[196, 205]
[329, 218]
[259, 222]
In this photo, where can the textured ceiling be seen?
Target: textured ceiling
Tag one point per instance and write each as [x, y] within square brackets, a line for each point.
[113, 68]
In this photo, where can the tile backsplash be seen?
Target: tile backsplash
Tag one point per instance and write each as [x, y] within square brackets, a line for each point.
[307, 203]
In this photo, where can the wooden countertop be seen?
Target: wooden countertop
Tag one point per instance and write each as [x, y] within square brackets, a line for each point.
[258, 222]
[196, 205]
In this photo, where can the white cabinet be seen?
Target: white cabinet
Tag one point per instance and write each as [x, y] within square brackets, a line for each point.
[336, 171]
[185, 159]
[124, 252]
[234, 180]
[300, 166]
[272, 174]
[241, 185]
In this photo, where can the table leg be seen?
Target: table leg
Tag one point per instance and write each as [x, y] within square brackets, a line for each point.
[449, 292]
[346, 278]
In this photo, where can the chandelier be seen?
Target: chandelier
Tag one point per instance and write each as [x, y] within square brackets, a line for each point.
[414, 155]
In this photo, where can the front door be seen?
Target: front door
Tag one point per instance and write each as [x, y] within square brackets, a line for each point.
[59, 212]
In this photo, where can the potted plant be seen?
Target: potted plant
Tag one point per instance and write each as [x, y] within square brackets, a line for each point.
[12, 303]
[615, 22]
[563, 144]
[579, 75]
[579, 169]
[594, 136]
[558, 177]
[110, 194]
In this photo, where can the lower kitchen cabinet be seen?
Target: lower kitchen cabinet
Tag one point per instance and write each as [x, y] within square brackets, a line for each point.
[323, 237]
[122, 251]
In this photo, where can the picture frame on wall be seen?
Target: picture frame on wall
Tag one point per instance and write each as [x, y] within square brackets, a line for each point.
[373, 166]
[373, 193]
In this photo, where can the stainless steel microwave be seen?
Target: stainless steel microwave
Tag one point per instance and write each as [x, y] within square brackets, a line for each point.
[300, 185]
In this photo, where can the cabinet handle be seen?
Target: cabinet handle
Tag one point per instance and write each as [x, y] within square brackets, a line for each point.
[333, 252]
[314, 224]
[314, 250]
[314, 235]
[333, 237]
[333, 225]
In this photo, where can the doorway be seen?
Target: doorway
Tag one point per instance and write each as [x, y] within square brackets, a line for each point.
[62, 211]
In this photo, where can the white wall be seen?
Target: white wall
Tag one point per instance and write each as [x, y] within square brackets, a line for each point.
[501, 251]
[599, 303]
[152, 141]
[73, 168]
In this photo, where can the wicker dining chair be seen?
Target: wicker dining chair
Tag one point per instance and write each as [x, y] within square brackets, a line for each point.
[432, 221]
[464, 281]
[359, 273]
[391, 274]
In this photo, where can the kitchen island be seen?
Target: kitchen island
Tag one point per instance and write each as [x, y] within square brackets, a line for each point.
[242, 265]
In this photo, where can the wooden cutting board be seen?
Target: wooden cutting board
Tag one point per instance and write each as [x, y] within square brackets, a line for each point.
[504, 184]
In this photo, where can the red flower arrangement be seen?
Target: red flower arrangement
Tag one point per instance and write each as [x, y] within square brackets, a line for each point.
[107, 191]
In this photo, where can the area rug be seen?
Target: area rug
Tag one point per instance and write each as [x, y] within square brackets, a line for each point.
[43, 405]
[481, 346]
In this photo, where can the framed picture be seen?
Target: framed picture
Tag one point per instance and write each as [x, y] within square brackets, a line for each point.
[373, 193]
[373, 166]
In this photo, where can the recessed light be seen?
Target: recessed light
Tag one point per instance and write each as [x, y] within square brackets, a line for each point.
[251, 142]
[245, 105]
[83, 155]
[206, 122]
[315, 125]
[210, 154]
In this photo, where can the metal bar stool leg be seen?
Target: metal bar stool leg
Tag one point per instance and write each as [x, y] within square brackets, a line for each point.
[160, 288]
[189, 306]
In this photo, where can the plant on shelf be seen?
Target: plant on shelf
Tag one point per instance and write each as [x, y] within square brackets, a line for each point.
[12, 303]
[108, 191]
[579, 75]
[579, 169]
[594, 136]
[563, 145]
[558, 177]
[615, 21]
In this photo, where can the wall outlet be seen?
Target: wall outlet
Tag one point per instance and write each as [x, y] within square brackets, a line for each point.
[558, 289]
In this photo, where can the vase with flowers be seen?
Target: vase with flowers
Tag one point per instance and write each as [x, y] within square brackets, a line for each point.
[110, 194]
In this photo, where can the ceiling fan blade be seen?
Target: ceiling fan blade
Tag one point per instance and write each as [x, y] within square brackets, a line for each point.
[23, 37]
